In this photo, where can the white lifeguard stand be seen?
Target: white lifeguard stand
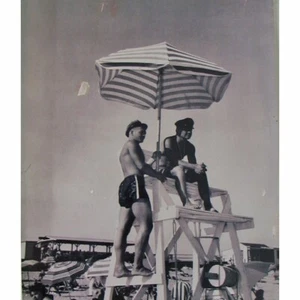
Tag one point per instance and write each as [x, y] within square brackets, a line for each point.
[164, 210]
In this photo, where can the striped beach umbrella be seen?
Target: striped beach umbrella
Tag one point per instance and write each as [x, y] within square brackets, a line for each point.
[101, 268]
[63, 271]
[161, 76]
[181, 291]
[33, 265]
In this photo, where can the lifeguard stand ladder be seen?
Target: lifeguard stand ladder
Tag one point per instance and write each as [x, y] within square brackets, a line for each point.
[164, 209]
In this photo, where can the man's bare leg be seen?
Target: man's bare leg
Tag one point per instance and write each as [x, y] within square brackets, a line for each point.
[178, 172]
[126, 219]
[143, 214]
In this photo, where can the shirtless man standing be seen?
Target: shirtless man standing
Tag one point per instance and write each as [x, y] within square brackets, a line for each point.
[134, 201]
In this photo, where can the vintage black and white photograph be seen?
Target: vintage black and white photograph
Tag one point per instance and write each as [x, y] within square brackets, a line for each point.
[149, 150]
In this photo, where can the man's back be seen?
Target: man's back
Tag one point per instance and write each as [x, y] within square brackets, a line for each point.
[128, 165]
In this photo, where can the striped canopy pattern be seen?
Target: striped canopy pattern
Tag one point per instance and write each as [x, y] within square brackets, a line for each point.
[63, 271]
[101, 268]
[181, 291]
[144, 76]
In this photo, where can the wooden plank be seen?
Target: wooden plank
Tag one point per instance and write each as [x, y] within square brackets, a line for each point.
[239, 226]
[140, 293]
[108, 293]
[166, 213]
[159, 246]
[192, 188]
[134, 280]
[172, 242]
[174, 212]
[196, 260]
[226, 204]
[219, 229]
[165, 195]
[197, 292]
[109, 290]
[239, 262]
[194, 242]
[212, 217]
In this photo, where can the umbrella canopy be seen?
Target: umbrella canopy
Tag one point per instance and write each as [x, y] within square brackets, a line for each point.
[101, 268]
[96, 257]
[33, 265]
[161, 76]
[255, 271]
[63, 271]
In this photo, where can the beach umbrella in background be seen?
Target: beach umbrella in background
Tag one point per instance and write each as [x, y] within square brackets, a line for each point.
[33, 266]
[90, 261]
[101, 268]
[63, 271]
[161, 76]
[255, 271]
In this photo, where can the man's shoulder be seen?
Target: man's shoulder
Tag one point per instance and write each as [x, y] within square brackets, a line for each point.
[131, 145]
[190, 145]
[170, 138]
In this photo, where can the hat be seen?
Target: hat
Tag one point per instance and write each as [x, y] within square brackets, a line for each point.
[135, 124]
[185, 124]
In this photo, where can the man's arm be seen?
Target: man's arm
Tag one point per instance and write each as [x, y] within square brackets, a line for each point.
[191, 154]
[169, 152]
[192, 159]
[137, 156]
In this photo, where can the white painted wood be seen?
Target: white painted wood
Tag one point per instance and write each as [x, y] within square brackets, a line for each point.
[245, 289]
[238, 226]
[159, 244]
[173, 241]
[134, 280]
[194, 242]
[140, 293]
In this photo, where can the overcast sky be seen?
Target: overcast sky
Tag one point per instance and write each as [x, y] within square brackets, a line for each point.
[70, 144]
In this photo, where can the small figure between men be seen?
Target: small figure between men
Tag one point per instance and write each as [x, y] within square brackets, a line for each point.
[176, 147]
[134, 201]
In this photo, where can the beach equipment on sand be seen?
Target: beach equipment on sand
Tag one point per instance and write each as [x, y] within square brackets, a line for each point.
[161, 76]
[63, 271]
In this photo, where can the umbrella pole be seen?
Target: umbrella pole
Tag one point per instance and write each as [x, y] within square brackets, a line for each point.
[160, 77]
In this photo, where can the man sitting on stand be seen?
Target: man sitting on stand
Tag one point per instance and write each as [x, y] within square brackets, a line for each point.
[177, 147]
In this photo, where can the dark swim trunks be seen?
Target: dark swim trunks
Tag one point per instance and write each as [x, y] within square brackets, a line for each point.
[131, 189]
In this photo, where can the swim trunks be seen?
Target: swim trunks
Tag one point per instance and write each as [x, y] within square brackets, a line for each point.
[131, 189]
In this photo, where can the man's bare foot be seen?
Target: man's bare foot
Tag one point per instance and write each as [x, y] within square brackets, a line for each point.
[141, 272]
[212, 210]
[189, 204]
[122, 272]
